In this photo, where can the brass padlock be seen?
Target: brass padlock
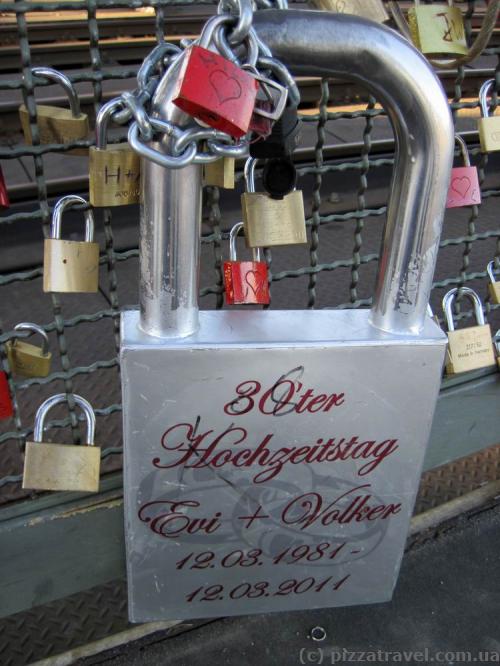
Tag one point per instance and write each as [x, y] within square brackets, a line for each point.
[370, 9]
[29, 360]
[488, 126]
[62, 466]
[70, 266]
[437, 29]
[57, 125]
[496, 342]
[494, 286]
[114, 171]
[270, 222]
[220, 173]
[468, 348]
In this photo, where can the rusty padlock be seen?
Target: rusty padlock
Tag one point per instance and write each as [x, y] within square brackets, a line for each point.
[29, 360]
[246, 282]
[469, 348]
[6, 406]
[55, 124]
[488, 126]
[4, 196]
[494, 285]
[437, 29]
[70, 266]
[464, 187]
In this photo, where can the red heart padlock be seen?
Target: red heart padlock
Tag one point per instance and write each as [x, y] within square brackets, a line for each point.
[246, 282]
[216, 91]
[4, 197]
[6, 407]
[464, 187]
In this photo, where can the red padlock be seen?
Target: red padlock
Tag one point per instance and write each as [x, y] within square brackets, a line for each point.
[464, 187]
[6, 406]
[4, 197]
[216, 91]
[246, 282]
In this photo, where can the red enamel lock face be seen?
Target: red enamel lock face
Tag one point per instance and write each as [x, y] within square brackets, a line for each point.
[216, 91]
[4, 197]
[246, 282]
[6, 407]
[464, 187]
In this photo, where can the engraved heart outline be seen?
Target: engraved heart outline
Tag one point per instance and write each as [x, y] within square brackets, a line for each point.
[219, 80]
[255, 281]
[456, 185]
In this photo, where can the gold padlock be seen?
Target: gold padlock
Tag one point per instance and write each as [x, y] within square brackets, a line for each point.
[29, 360]
[70, 266]
[114, 171]
[270, 222]
[468, 348]
[494, 286]
[437, 29]
[62, 466]
[370, 9]
[220, 173]
[57, 125]
[488, 126]
[496, 342]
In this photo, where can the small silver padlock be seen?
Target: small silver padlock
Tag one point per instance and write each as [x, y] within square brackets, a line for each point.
[494, 285]
[469, 348]
[29, 360]
[70, 266]
[62, 466]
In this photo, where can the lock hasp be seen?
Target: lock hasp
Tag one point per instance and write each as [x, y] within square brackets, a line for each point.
[271, 460]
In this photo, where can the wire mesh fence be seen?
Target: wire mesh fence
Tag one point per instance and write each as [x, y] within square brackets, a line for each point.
[344, 163]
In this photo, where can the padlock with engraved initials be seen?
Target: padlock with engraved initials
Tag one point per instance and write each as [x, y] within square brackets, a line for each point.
[469, 348]
[245, 282]
[488, 126]
[62, 466]
[271, 221]
[114, 170]
[464, 187]
[437, 29]
[6, 406]
[494, 285]
[29, 360]
[220, 173]
[55, 124]
[4, 197]
[70, 266]
[370, 9]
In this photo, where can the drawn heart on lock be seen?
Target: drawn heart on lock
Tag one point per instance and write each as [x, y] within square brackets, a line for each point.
[254, 281]
[461, 186]
[226, 87]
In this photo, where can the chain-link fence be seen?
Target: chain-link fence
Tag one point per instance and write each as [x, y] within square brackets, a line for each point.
[344, 163]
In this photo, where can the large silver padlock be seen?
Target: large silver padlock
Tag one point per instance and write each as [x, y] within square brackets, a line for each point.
[272, 458]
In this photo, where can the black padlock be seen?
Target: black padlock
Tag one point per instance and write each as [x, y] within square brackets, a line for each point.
[279, 177]
[283, 139]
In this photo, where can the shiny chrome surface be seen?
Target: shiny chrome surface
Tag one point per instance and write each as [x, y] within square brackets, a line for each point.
[322, 44]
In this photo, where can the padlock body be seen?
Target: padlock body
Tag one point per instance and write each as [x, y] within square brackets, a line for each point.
[494, 290]
[6, 406]
[464, 188]
[4, 197]
[489, 134]
[469, 348]
[370, 9]
[264, 425]
[61, 467]
[217, 92]
[114, 176]
[55, 125]
[437, 29]
[246, 282]
[28, 360]
[220, 173]
[269, 222]
[70, 266]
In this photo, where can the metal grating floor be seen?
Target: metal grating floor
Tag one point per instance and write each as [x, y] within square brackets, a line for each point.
[102, 611]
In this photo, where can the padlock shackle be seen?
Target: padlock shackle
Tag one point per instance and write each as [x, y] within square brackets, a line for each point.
[450, 296]
[102, 119]
[314, 43]
[233, 235]
[490, 269]
[34, 328]
[64, 82]
[249, 174]
[54, 400]
[60, 207]
[463, 149]
[483, 96]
